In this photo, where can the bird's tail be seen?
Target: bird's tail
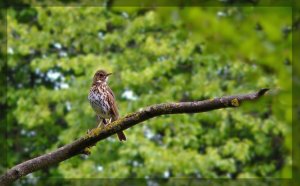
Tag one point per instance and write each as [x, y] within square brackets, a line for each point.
[121, 136]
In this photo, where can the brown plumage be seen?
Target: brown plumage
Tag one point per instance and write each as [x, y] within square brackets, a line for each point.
[102, 100]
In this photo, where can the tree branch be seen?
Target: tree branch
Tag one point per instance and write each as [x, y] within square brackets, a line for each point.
[78, 146]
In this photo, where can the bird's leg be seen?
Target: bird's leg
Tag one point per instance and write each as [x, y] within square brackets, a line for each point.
[99, 120]
[104, 121]
[101, 123]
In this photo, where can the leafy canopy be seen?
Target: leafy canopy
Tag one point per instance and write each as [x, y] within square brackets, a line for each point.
[156, 55]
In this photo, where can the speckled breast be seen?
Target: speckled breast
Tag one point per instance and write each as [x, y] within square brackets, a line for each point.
[99, 102]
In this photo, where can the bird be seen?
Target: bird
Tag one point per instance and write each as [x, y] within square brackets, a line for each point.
[102, 100]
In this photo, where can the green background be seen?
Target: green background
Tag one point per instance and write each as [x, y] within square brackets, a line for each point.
[157, 55]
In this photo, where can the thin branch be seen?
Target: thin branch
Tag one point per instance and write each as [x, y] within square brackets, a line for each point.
[78, 146]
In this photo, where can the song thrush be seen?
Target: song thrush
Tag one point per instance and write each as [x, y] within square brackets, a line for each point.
[102, 100]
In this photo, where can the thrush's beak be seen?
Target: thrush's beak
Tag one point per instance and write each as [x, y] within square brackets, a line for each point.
[108, 74]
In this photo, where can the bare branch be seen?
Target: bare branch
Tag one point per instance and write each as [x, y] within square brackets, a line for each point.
[130, 120]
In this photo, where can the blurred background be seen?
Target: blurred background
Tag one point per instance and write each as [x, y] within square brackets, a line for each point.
[157, 55]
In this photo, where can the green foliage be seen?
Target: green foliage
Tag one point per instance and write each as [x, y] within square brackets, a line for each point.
[159, 55]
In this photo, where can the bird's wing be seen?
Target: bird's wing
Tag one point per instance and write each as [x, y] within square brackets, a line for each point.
[111, 92]
[112, 103]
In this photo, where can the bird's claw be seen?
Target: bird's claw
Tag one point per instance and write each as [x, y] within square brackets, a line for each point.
[88, 131]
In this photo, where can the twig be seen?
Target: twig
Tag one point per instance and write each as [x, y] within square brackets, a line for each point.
[79, 146]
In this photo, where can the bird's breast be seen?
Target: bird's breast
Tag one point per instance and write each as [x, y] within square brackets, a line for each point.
[99, 101]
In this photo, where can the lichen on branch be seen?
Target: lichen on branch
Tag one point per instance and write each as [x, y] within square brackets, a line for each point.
[82, 145]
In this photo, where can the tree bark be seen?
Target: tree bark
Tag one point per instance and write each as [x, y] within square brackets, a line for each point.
[80, 146]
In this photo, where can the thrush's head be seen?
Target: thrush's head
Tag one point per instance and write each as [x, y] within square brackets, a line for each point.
[100, 76]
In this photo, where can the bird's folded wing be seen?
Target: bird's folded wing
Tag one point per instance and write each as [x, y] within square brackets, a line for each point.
[112, 103]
